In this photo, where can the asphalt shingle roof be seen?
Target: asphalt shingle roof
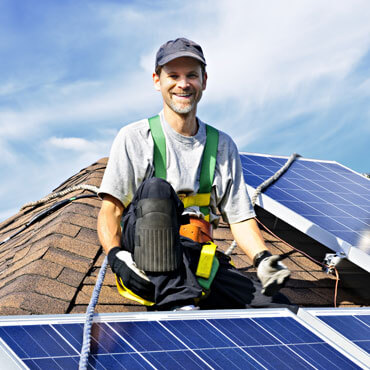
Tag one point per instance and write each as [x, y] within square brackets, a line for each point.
[52, 266]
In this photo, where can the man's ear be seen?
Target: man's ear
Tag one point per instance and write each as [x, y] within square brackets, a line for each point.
[204, 83]
[157, 82]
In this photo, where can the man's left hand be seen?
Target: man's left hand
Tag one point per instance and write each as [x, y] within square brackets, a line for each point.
[273, 274]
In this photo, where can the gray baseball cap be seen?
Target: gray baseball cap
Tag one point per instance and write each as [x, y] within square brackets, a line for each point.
[180, 47]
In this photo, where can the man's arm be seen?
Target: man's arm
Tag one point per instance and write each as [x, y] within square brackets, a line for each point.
[271, 272]
[109, 223]
[248, 237]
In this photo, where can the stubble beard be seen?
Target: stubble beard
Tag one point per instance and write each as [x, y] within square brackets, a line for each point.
[180, 109]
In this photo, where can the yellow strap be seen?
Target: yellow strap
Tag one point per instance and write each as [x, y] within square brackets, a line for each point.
[201, 199]
[127, 293]
[206, 260]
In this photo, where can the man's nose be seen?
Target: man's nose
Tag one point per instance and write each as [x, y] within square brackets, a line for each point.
[183, 82]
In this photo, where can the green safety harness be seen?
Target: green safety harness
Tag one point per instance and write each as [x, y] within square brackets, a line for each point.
[203, 198]
[208, 264]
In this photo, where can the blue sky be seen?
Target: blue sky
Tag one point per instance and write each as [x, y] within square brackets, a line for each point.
[284, 77]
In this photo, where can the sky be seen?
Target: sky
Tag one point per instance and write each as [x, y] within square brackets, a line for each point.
[283, 77]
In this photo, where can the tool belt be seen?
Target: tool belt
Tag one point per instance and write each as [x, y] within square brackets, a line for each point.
[198, 230]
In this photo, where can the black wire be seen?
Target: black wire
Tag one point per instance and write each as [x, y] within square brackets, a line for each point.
[46, 213]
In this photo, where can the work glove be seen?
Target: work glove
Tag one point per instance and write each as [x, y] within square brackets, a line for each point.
[132, 278]
[272, 273]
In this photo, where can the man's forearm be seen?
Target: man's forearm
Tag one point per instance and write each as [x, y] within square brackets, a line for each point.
[248, 237]
[109, 223]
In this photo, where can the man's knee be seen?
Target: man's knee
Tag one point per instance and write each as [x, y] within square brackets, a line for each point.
[157, 247]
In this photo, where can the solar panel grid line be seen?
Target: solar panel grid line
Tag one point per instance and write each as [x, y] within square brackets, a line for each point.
[194, 353]
[67, 342]
[285, 345]
[321, 198]
[131, 346]
[236, 345]
[336, 339]
[301, 223]
[317, 347]
[363, 322]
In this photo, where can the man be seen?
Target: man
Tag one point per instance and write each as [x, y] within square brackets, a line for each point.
[155, 162]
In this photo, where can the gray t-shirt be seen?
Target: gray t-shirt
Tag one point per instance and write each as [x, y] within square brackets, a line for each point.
[131, 162]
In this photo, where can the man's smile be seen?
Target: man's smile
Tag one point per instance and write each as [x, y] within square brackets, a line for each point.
[182, 95]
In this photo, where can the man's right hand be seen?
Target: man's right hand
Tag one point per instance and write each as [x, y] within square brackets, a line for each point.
[133, 278]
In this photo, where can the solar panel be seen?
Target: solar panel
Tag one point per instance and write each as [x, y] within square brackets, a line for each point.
[323, 199]
[349, 328]
[237, 339]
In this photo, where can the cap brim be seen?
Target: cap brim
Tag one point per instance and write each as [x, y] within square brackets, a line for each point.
[180, 54]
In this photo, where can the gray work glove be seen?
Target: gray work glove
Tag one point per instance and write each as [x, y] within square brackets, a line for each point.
[272, 273]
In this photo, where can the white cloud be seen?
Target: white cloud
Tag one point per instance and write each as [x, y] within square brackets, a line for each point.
[73, 143]
[269, 64]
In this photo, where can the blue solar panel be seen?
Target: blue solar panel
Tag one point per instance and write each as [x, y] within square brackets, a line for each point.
[332, 198]
[354, 327]
[349, 328]
[272, 339]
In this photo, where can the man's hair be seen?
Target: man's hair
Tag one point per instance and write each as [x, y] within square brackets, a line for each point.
[158, 70]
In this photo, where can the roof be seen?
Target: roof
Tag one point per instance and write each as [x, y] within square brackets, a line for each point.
[51, 267]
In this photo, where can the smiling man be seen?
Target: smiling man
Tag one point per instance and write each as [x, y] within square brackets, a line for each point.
[166, 178]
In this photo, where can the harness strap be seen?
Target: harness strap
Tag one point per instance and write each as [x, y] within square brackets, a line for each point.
[160, 156]
[202, 199]
[208, 166]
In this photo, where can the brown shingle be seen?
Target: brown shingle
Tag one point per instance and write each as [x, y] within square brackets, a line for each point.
[39, 284]
[71, 277]
[34, 302]
[107, 295]
[67, 259]
[78, 247]
[40, 267]
[24, 262]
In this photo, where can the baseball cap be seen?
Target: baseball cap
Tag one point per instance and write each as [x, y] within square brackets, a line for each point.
[180, 47]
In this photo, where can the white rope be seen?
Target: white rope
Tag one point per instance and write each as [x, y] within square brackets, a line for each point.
[85, 350]
[61, 194]
[263, 186]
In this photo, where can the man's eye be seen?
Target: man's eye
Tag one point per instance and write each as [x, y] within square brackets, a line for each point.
[173, 76]
[193, 75]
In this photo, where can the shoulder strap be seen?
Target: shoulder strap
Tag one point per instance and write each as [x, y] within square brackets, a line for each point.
[209, 160]
[159, 154]
[207, 171]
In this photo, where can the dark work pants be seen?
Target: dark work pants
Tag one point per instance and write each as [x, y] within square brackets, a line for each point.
[230, 288]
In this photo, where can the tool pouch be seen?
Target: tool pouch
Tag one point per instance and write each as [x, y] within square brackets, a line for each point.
[157, 246]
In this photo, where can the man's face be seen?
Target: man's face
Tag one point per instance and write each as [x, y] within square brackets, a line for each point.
[181, 83]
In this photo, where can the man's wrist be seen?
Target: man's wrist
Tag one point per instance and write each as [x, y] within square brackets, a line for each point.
[260, 256]
[112, 254]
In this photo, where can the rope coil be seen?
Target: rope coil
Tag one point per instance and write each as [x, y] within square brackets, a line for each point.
[59, 194]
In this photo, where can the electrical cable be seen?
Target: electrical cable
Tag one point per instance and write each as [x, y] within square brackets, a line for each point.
[309, 257]
[46, 212]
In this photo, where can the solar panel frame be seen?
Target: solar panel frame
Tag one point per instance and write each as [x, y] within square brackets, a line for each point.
[293, 215]
[312, 317]
[258, 315]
